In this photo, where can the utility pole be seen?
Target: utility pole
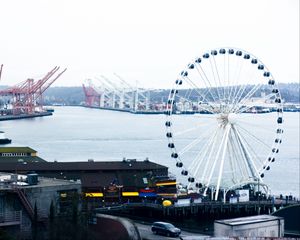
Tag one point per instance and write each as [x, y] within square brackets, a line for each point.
[258, 212]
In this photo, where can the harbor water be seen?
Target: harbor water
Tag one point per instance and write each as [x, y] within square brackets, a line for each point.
[79, 134]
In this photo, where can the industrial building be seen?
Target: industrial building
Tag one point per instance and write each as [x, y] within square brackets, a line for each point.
[27, 198]
[19, 154]
[111, 180]
[101, 182]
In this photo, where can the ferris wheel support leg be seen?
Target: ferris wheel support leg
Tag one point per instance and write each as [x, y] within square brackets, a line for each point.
[215, 161]
[250, 159]
[223, 159]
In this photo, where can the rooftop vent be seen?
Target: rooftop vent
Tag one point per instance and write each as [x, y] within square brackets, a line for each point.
[32, 179]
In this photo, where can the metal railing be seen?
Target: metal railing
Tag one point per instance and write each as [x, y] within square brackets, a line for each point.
[10, 218]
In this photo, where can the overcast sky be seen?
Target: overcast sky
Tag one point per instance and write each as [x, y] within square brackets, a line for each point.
[148, 41]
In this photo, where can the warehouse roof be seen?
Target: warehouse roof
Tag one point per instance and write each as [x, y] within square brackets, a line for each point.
[42, 181]
[20, 159]
[80, 166]
[248, 220]
[16, 150]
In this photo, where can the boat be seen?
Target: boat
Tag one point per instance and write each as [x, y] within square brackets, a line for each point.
[3, 139]
[49, 110]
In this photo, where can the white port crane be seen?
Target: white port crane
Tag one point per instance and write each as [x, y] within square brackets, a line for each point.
[108, 91]
[136, 94]
[118, 94]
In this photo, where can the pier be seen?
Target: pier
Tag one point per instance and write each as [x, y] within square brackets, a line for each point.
[152, 209]
[197, 216]
[22, 116]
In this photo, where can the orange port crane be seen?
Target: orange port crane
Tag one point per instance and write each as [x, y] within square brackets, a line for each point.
[27, 96]
[92, 97]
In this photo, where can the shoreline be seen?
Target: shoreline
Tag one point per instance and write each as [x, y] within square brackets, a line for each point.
[22, 116]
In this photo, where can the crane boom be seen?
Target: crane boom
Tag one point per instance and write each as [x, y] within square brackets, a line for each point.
[1, 71]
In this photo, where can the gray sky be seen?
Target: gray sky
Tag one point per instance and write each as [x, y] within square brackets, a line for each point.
[148, 41]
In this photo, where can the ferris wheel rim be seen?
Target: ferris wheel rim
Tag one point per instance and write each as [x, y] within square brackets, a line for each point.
[175, 154]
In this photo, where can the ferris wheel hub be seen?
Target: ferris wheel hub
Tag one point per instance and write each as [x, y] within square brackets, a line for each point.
[227, 118]
[232, 118]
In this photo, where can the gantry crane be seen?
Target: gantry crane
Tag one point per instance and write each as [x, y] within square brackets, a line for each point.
[27, 96]
[137, 95]
[92, 97]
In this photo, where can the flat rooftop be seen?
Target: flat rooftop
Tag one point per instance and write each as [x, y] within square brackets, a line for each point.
[81, 166]
[17, 150]
[6, 181]
[248, 220]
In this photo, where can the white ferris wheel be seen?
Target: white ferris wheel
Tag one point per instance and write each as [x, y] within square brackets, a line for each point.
[216, 140]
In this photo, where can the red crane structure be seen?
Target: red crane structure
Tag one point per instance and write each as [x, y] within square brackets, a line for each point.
[92, 97]
[27, 96]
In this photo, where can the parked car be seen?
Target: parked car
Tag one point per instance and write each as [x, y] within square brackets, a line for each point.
[166, 229]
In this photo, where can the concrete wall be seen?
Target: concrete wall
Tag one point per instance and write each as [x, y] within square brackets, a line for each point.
[114, 228]
[291, 215]
[43, 195]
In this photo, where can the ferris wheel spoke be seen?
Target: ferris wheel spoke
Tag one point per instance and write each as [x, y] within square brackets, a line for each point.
[249, 122]
[209, 150]
[245, 109]
[251, 164]
[247, 97]
[209, 110]
[194, 142]
[230, 159]
[255, 157]
[260, 142]
[224, 75]
[216, 157]
[233, 88]
[205, 79]
[218, 75]
[228, 127]
[240, 87]
[240, 156]
[197, 89]
[235, 164]
[228, 72]
[215, 82]
[191, 129]
[197, 162]
[202, 156]
[244, 153]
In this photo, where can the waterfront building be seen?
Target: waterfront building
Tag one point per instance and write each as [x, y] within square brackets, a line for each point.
[26, 199]
[19, 154]
[106, 182]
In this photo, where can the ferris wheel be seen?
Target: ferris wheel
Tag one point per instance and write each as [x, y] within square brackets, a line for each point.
[224, 121]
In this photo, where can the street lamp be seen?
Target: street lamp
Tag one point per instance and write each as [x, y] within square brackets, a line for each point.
[258, 193]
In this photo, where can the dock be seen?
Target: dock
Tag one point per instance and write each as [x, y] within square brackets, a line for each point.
[22, 116]
[197, 216]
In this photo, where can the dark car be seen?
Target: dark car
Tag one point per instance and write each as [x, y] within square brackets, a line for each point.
[166, 229]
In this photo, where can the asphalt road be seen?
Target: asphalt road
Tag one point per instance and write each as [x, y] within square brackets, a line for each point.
[146, 234]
